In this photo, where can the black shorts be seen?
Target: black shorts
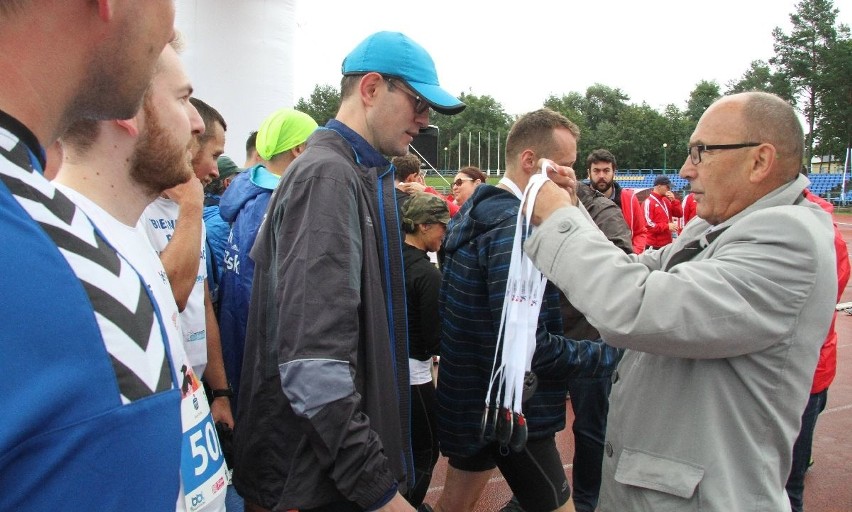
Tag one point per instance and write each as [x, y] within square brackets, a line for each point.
[535, 475]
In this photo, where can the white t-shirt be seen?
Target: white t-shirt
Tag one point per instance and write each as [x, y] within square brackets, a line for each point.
[159, 223]
[419, 372]
[132, 243]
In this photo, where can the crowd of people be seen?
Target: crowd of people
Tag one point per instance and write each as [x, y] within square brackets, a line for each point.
[282, 319]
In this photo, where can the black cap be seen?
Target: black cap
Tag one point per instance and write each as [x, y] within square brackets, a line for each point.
[662, 180]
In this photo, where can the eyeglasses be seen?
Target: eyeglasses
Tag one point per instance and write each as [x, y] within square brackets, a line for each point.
[420, 105]
[460, 181]
[696, 150]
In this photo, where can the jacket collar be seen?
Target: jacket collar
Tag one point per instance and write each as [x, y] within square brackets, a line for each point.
[365, 154]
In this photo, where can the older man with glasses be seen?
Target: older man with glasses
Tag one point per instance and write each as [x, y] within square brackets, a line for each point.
[724, 326]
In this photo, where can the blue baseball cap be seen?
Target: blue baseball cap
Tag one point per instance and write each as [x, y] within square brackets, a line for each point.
[394, 54]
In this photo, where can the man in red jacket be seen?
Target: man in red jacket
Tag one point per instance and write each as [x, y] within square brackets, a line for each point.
[689, 207]
[660, 209]
[601, 167]
[823, 376]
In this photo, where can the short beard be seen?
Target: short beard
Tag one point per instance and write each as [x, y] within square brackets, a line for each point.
[157, 163]
[598, 184]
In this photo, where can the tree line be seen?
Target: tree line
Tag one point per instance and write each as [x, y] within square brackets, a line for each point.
[811, 67]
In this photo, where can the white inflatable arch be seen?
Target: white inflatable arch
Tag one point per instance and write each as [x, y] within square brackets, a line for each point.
[239, 55]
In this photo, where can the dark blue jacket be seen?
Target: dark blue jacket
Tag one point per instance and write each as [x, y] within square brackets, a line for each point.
[478, 250]
[243, 205]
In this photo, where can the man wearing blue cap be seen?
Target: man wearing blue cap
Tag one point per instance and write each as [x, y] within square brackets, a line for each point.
[324, 408]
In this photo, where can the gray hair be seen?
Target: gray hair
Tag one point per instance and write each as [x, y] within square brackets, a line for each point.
[769, 118]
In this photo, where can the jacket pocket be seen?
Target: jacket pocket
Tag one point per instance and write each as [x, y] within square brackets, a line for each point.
[657, 473]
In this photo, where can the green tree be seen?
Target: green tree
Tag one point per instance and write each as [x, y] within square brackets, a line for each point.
[603, 103]
[483, 117]
[704, 94]
[639, 137]
[322, 104]
[596, 113]
[834, 93]
[678, 129]
[801, 56]
[572, 106]
[760, 77]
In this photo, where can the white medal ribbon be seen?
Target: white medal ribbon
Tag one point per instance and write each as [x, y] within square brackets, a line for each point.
[521, 306]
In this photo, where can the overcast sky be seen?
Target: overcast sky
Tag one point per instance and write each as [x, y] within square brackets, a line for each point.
[521, 52]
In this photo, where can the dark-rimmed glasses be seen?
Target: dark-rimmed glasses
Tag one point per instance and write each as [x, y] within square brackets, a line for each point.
[420, 105]
[696, 150]
[460, 181]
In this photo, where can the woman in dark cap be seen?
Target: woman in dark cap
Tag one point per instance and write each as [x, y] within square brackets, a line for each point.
[424, 219]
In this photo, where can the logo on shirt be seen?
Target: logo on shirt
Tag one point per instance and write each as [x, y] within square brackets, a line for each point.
[197, 501]
[219, 484]
[163, 223]
[198, 335]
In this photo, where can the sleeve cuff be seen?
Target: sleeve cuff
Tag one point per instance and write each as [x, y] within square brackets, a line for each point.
[384, 499]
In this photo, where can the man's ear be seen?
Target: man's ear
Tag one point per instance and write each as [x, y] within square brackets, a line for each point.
[130, 125]
[528, 161]
[761, 162]
[298, 150]
[369, 87]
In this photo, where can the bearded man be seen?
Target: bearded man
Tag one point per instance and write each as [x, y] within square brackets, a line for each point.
[113, 170]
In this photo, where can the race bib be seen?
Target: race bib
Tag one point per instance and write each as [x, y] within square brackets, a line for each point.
[202, 463]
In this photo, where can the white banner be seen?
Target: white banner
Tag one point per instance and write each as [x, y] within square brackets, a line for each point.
[239, 56]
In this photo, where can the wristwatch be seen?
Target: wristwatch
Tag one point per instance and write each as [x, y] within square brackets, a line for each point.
[226, 392]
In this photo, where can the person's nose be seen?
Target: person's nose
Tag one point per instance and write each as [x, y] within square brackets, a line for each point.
[422, 119]
[687, 170]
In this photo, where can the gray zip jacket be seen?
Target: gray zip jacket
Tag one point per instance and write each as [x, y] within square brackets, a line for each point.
[324, 414]
[708, 402]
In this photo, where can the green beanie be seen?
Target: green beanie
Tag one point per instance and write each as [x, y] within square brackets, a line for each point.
[227, 167]
[282, 131]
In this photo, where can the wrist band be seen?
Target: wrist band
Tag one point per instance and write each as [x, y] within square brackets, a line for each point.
[227, 392]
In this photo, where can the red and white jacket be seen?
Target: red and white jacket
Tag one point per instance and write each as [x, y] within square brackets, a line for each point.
[635, 218]
[659, 211]
[827, 364]
[689, 207]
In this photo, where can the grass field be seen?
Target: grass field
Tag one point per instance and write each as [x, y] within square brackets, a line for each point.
[439, 184]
